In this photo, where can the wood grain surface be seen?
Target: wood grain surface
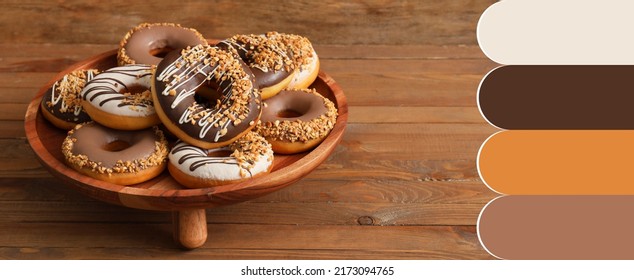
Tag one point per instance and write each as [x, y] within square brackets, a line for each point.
[328, 21]
[402, 184]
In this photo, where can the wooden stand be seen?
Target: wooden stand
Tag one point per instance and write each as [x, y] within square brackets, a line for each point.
[190, 228]
[163, 193]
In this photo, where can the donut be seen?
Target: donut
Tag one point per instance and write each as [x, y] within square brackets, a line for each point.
[203, 121]
[295, 121]
[120, 98]
[268, 58]
[148, 43]
[305, 58]
[248, 157]
[61, 104]
[115, 156]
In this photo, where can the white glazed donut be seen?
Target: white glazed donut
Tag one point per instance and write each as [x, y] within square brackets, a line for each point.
[121, 98]
[194, 167]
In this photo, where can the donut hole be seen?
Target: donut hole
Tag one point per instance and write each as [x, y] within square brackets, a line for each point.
[202, 100]
[206, 96]
[296, 110]
[160, 52]
[116, 146]
[134, 89]
[289, 114]
[160, 48]
[219, 153]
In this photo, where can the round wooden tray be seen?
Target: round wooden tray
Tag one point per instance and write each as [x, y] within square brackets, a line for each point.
[164, 193]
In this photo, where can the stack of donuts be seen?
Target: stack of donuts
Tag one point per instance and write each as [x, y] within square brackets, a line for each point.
[210, 114]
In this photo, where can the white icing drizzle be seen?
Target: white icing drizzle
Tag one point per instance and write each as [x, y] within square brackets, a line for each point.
[65, 80]
[281, 57]
[105, 91]
[175, 77]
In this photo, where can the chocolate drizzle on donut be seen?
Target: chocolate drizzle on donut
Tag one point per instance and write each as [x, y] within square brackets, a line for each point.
[114, 85]
[244, 153]
[63, 99]
[201, 157]
[181, 74]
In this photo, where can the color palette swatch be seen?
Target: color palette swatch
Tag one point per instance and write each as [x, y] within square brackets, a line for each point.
[564, 99]
[561, 32]
[559, 97]
[559, 162]
[558, 227]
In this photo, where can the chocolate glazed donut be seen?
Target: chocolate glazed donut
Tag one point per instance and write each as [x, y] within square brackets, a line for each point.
[115, 156]
[148, 42]
[61, 104]
[267, 57]
[205, 123]
[297, 120]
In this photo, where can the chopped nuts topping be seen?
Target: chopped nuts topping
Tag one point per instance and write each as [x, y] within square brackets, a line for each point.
[122, 56]
[134, 100]
[82, 161]
[236, 96]
[68, 89]
[248, 148]
[298, 130]
[273, 51]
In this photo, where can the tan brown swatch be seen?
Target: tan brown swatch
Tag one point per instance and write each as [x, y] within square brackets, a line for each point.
[558, 227]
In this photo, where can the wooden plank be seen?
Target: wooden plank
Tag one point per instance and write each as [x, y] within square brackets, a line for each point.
[413, 141]
[407, 114]
[31, 80]
[12, 129]
[12, 111]
[288, 213]
[340, 190]
[73, 253]
[16, 157]
[49, 189]
[19, 95]
[381, 52]
[357, 22]
[422, 242]
[19, 52]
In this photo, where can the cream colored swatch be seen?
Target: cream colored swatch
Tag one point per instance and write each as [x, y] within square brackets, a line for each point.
[546, 32]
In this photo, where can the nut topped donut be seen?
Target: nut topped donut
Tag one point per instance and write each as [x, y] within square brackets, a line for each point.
[115, 156]
[268, 57]
[246, 158]
[61, 104]
[212, 121]
[148, 43]
[120, 98]
[295, 121]
[306, 59]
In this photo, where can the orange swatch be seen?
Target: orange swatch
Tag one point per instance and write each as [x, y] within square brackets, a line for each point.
[553, 162]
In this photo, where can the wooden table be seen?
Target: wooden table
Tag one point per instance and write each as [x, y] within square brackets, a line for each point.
[402, 184]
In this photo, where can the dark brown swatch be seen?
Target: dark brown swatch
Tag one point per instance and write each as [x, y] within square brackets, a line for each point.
[558, 227]
[559, 97]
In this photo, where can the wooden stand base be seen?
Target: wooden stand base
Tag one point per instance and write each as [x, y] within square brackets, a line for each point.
[190, 228]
